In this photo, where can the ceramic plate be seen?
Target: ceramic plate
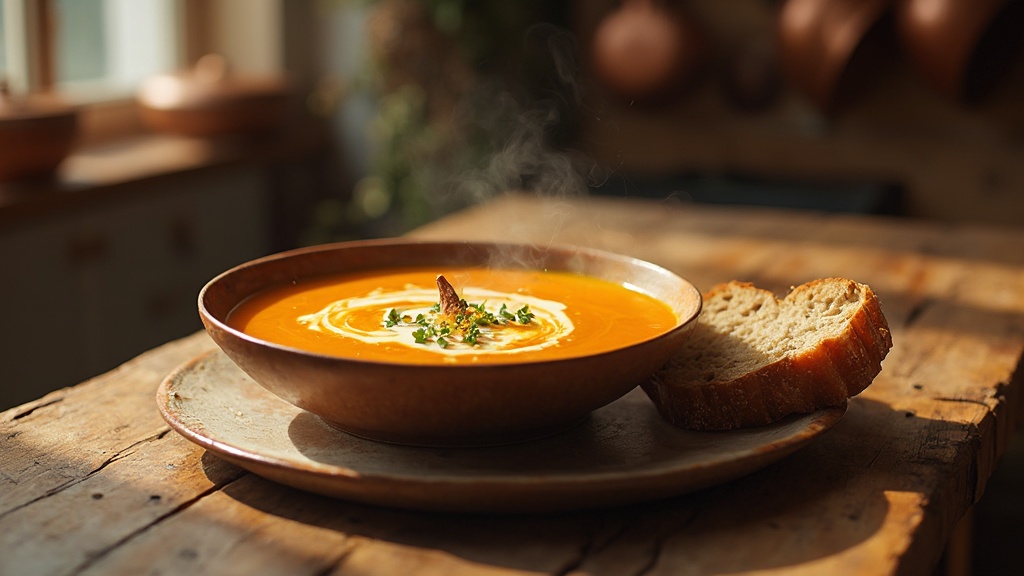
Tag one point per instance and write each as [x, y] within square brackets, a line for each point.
[623, 453]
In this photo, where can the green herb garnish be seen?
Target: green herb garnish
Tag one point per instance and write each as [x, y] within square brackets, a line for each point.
[523, 315]
[461, 323]
[393, 318]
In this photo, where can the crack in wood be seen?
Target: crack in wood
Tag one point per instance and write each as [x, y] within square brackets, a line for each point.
[96, 556]
[961, 400]
[119, 455]
[601, 540]
[334, 566]
[600, 544]
[917, 310]
[653, 555]
[597, 541]
[576, 561]
[126, 451]
[875, 456]
[28, 411]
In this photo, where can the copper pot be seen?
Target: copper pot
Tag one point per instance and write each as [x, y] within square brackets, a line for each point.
[646, 51]
[209, 100]
[819, 41]
[959, 46]
[36, 134]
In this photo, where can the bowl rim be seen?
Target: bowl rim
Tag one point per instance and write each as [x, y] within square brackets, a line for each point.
[682, 323]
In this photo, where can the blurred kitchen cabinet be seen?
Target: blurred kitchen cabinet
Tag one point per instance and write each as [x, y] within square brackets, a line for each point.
[83, 291]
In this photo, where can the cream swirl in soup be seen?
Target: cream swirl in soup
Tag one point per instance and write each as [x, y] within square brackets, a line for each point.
[368, 319]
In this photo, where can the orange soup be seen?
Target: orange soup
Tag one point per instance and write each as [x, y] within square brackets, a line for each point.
[506, 315]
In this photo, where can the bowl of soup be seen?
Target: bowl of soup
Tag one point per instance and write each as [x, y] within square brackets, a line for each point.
[448, 343]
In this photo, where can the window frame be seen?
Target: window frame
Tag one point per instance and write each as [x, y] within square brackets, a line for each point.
[31, 65]
[29, 27]
[27, 38]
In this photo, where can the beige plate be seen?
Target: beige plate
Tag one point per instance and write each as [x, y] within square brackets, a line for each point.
[623, 453]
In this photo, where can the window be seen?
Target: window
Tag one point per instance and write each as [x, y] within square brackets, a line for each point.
[105, 46]
[95, 52]
[3, 46]
[87, 49]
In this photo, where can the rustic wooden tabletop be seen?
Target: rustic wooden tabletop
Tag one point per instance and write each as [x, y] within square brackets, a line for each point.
[93, 481]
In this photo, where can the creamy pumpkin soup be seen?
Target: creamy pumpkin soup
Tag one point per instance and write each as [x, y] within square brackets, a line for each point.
[464, 315]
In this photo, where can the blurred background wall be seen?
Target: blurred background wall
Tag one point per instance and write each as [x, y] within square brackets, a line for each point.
[367, 118]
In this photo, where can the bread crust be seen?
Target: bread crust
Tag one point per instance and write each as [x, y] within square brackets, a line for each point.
[827, 374]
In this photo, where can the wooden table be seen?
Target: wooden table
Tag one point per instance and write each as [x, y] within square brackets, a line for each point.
[93, 481]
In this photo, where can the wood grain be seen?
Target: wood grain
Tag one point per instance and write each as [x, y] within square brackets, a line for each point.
[92, 481]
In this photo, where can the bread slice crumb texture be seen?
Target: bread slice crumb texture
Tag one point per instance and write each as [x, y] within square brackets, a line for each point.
[753, 359]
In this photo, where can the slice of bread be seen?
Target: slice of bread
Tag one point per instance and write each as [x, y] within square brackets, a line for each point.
[753, 359]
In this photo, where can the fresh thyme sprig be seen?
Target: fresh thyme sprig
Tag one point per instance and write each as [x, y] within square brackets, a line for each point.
[463, 326]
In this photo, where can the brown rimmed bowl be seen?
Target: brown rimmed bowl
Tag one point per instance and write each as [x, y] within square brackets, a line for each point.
[208, 100]
[36, 134]
[445, 405]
